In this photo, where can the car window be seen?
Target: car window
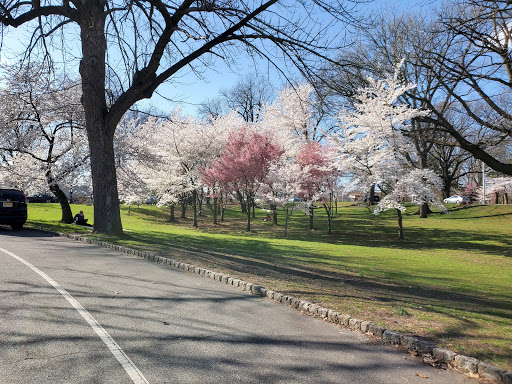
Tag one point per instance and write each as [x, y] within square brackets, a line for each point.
[10, 195]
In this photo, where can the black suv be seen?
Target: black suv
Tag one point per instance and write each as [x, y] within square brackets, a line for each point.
[13, 208]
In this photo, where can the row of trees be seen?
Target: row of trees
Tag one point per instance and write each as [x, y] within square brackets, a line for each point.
[459, 59]
[276, 160]
[282, 155]
[459, 64]
[129, 49]
[180, 159]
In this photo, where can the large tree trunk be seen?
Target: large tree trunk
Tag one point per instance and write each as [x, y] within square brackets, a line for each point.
[400, 226]
[215, 203]
[171, 216]
[67, 215]
[311, 212]
[194, 207]
[107, 216]
[424, 210]
[447, 187]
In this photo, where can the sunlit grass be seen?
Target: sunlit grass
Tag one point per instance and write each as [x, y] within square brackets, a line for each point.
[451, 280]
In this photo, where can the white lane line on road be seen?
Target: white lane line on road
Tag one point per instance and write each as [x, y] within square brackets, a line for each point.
[128, 365]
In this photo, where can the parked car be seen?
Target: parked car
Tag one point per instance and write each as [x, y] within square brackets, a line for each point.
[13, 208]
[376, 198]
[42, 198]
[152, 200]
[456, 199]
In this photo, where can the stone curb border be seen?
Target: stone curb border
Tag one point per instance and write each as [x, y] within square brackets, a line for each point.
[468, 365]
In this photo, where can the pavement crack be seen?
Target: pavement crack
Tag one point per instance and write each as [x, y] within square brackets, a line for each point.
[57, 356]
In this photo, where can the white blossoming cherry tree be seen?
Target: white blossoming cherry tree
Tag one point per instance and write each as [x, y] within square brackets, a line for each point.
[319, 179]
[281, 188]
[420, 186]
[43, 143]
[371, 140]
[290, 117]
[173, 151]
[375, 151]
[499, 187]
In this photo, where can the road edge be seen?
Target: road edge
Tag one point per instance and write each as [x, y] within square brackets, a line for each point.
[431, 354]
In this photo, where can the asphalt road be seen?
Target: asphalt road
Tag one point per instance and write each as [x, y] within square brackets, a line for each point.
[173, 326]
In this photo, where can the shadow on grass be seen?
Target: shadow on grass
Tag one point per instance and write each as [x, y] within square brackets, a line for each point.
[468, 310]
[250, 256]
[356, 227]
[361, 229]
[475, 211]
[310, 267]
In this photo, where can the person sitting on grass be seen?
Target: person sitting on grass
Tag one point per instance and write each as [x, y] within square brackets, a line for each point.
[81, 220]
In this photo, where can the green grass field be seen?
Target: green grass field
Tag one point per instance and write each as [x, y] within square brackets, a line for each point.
[450, 281]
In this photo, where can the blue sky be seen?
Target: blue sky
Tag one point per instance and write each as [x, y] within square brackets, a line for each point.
[190, 91]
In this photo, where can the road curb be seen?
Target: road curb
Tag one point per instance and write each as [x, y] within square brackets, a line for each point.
[431, 353]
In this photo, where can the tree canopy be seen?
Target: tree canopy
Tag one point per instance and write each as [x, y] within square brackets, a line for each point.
[129, 48]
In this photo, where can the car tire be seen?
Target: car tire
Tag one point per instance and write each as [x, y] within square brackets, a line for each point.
[17, 226]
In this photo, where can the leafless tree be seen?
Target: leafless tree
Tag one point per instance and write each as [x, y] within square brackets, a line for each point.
[129, 48]
[450, 162]
[248, 96]
[475, 69]
[212, 108]
[459, 62]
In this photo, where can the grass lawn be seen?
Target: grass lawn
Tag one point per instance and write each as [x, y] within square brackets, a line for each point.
[450, 281]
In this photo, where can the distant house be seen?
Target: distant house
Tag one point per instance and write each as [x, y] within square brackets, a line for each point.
[360, 196]
[356, 196]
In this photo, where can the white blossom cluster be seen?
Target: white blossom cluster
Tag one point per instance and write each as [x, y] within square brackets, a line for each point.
[163, 159]
[498, 185]
[43, 143]
[418, 186]
[374, 150]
